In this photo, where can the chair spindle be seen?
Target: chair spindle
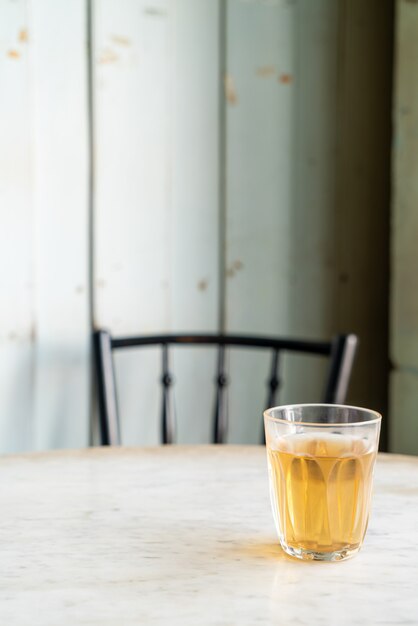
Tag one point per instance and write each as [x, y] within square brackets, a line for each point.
[273, 384]
[274, 381]
[168, 412]
[221, 410]
[106, 387]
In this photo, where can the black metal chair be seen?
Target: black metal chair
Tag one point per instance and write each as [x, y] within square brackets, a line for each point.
[340, 351]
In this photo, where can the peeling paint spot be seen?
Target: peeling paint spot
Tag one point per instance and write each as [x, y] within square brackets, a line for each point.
[101, 283]
[230, 91]
[12, 335]
[285, 79]
[79, 289]
[23, 35]
[108, 56]
[202, 285]
[13, 54]
[235, 267]
[119, 40]
[265, 71]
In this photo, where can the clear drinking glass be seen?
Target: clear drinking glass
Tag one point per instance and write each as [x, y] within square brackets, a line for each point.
[321, 459]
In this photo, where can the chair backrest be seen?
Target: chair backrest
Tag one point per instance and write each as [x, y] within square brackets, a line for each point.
[340, 351]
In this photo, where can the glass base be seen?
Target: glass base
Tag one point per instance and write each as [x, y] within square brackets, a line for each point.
[311, 555]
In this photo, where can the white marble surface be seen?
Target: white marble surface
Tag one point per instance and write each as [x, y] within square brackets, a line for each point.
[181, 535]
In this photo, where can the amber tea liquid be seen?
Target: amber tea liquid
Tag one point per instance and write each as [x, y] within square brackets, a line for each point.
[320, 489]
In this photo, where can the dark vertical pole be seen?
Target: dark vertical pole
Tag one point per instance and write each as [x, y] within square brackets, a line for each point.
[168, 412]
[273, 382]
[221, 408]
[109, 420]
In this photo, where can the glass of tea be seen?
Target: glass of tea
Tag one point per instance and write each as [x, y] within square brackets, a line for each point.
[321, 459]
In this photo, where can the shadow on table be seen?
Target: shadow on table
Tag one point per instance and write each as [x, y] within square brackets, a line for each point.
[265, 550]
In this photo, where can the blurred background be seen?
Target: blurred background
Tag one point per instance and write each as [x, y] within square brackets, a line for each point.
[204, 165]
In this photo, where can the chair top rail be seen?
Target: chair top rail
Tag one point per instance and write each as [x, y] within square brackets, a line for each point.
[295, 345]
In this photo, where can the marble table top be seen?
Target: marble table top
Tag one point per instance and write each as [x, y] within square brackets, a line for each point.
[185, 535]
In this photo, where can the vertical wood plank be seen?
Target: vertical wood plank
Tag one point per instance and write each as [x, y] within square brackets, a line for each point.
[259, 93]
[156, 216]
[363, 193]
[404, 402]
[313, 252]
[132, 213]
[194, 230]
[404, 257]
[194, 154]
[131, 130]
[281, 95]
[313, 247]
[16, 253]
[60, 119]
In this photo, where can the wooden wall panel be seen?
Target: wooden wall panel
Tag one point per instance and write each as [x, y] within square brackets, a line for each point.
[131, 212]
[403, 404]
[156, 83]
[404, 257]
[363, 193]
[58, 36]
[259, 91]
[311, 282]
[17, 223]
[195, 218]
[281, 94]
[260, 101]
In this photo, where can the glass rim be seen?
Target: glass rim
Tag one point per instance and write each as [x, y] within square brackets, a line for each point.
[376, 419]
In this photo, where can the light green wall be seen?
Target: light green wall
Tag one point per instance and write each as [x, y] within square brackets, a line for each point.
[404, 288]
